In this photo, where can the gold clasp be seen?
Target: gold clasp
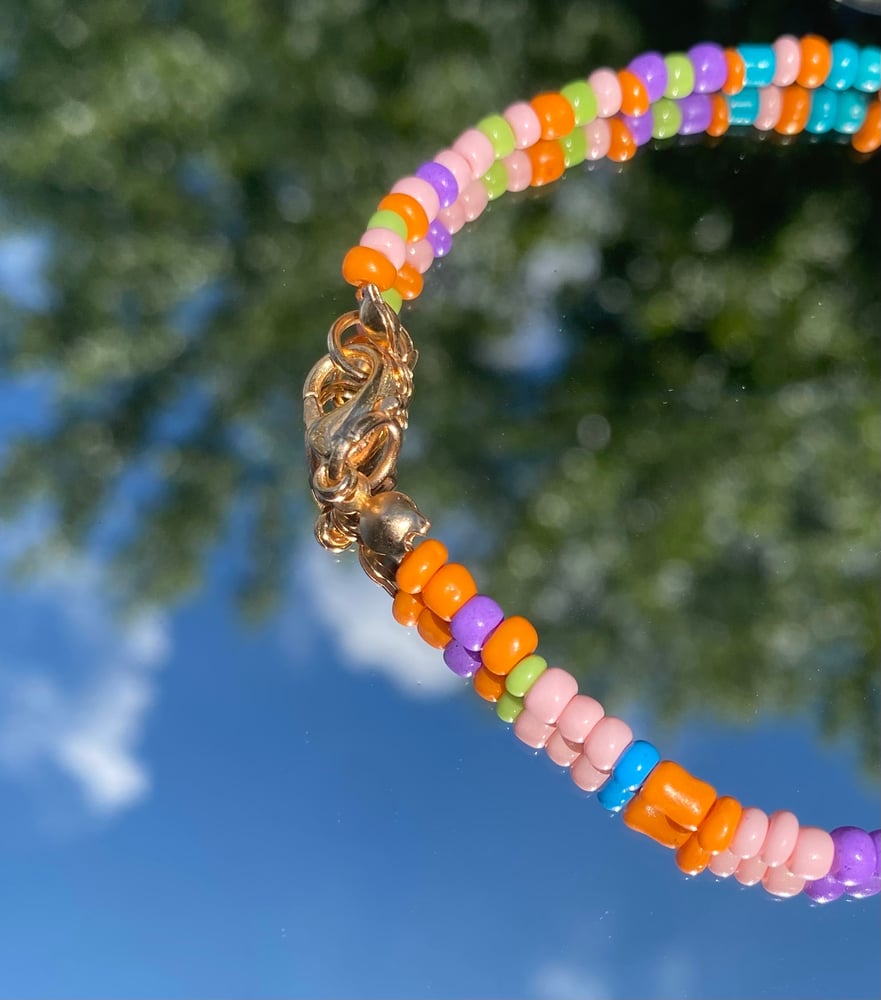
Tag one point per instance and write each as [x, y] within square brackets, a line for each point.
[355, 408]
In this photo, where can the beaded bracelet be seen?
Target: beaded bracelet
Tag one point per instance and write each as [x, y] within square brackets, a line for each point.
[355, 408]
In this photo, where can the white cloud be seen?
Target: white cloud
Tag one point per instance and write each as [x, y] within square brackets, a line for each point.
[558, 981]
[80, 707]
[358, 615]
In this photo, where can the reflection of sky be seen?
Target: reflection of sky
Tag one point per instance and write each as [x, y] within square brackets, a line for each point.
[254, 819]
[307, 808]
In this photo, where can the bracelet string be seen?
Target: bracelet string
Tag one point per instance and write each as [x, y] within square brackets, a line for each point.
[355, 410]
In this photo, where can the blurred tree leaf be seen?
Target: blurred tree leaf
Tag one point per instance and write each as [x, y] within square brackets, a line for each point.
[667, 445]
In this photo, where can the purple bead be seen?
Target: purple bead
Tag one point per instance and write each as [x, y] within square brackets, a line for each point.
[640, 128]
[473, 622]
[824, 890]
[441, 180]
[872, 885]
[697, 113]
[459, 659]
[439, 238]
[652, 70]
[855, 856]
[710, 68]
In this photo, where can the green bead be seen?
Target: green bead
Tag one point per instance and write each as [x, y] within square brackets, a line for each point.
[387, 219]
[393, 299]
[508, 707]
[680, 75]
[499, 133]
[495, 180]
[666, 118]
[574, 147]
[580, 95]
[525, 674]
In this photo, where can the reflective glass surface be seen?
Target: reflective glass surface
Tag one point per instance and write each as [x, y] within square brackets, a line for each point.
[645, 414]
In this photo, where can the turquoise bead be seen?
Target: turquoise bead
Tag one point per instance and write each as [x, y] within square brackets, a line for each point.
[629, 773]
[845, 63]
[759, 63]
[614, 796]
[824, 104]
[851, 112]
[869, 73]
[743, 107]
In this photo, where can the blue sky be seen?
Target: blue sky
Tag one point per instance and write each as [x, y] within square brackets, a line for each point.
[315, 807]
[194, 808]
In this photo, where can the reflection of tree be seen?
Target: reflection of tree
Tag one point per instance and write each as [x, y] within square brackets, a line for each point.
[695, 515]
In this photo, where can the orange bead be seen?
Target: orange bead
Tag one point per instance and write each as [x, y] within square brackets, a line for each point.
[736, 72]
[450, 587]
[420, 565]
[634, 95]
[622, 145]
[868, 138]
[514, 639]
[406, 608]
[816, 61]
[410, 211]
[683, 798]
[720, 116]
[363, 264]
[720, 824]
[555, 114]
[435, 631]
[548, 162]
[409, 283]
[488, 685]
[643, 818]
[691, 857]
[794, 110]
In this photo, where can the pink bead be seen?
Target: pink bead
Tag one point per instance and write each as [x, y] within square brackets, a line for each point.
[607, 88]
[770, 105]
[750, 871]
[780, 882]
[598, 139]
[750, 834]
[524, 124]
[550, 694]
[780, 838]
[724, 863]
[453, 217]
[787, 57]
[422, 191]
[608, 739]
[531, 731]
[519, 168]
[420, 255]
[579, 717]
[457, 165]
[812, 857]
[388, 243]
[474, 200]
[476, 148]
[560, 751]
[586, 776]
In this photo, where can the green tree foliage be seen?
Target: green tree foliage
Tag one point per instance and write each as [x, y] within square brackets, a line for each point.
[646, 401]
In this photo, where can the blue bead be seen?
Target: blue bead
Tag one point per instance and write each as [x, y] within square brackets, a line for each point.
[869, 74]
[629, 773]
[845, 63]
[851, 112]
[824, 104]
[614, 796]
[635, 763]
[759, 63]
[743, 108]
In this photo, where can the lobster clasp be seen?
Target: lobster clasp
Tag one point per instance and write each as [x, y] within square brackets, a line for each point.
[355, 408]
